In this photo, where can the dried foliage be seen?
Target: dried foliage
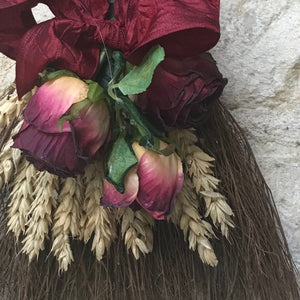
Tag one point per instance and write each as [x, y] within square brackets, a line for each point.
[10, 112]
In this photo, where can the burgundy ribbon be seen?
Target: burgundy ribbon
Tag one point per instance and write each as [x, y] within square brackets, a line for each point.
[72, 39]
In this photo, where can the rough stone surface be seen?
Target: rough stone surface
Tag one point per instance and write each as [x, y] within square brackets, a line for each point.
[259, 54]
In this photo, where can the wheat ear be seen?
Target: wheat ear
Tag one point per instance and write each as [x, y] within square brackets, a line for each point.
[199, 167]
[195, 229]
[21, 198]
[66, 221]
[96, 218]
[46, 187]
[9, 159]
[11, 109]
[136, 228]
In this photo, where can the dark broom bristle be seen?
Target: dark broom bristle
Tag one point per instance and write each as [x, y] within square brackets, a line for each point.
[255, 264]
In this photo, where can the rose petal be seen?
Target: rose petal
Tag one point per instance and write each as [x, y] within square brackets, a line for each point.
[52, 152]
[52, 100]
[91, 130]
[161, 178]
[112, 197]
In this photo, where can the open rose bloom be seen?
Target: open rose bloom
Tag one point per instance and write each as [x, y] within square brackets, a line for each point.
[65, 152]
[182, 92]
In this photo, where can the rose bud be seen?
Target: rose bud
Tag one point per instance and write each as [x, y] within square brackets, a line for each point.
[182, 92]
[64, 152]
[153, 184]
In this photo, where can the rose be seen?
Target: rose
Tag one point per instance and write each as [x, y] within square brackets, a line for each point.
[182, 92]
[63, 153]
[153, 183]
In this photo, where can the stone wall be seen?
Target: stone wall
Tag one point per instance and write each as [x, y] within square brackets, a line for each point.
[259, 54]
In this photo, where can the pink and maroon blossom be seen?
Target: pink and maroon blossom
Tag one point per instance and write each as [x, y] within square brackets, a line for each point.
[153, 184]
[182, 92]
[65, 152]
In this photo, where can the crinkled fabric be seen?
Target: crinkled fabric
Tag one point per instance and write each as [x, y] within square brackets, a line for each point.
[183, 27]
[15, 20]
[72, 39]
[66, 44]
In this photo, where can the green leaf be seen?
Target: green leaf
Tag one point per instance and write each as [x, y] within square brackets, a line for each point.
[120, 160]
[118, 64]
[49, 76]
[136, 118]
[138, 80]
[73, 112]
[96, 92]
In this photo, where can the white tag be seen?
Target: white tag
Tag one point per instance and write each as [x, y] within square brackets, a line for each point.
[42, 13]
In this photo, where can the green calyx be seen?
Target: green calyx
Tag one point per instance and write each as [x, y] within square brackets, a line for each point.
[45, 76]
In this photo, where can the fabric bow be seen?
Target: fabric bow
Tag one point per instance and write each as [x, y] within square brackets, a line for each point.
[73, 38]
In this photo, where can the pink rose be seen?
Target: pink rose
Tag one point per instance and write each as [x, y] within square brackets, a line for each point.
[153, 183]
[63, 153]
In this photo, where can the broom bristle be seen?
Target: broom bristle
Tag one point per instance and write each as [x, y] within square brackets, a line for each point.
[254, 264]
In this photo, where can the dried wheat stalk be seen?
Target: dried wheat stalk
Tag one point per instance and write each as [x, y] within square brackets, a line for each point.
[96, 219]
[46, 187]
[199, 167]
[136, 228]
[66, 221]
[10, 111]
[21, 198]
[195, 229]
[9, 159]
[12, 108]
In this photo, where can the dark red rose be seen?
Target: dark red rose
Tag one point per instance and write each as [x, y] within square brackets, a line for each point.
[182, 92]
[65, 152]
